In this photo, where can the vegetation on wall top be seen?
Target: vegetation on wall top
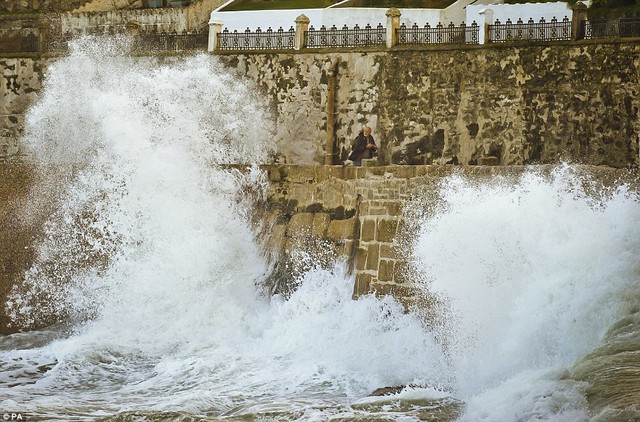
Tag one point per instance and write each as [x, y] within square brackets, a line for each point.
[239, 5]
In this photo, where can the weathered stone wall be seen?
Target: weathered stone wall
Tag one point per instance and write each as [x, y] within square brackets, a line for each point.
[195, 16]
[19, 86]
[361, 214]
[534, 104]
[357, 213]
[539, 104]
[16, 235]
[28, 6]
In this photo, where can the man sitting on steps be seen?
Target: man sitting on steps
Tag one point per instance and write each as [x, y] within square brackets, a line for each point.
[364, 147]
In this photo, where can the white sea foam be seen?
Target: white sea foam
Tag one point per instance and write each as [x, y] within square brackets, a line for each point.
[531, 275]
[150, 256]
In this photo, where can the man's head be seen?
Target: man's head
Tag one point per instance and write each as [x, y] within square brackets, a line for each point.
[367, 131]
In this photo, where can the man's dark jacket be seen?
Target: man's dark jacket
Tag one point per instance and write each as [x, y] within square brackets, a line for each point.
[360, 145]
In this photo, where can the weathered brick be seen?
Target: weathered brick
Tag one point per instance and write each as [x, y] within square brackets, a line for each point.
[342, 229]
[362, 285]
[320, 223]
[388, 251]
[300, 224]
[373, 256]
[386, 230]
[385, 271]
[403, 272]
[361, 258]
[368, 230]
[396, 290]
[394, 207]
[377, 210]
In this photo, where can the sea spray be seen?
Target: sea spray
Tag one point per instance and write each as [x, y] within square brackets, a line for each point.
[150, 262]
[530, 274]
[139, 146]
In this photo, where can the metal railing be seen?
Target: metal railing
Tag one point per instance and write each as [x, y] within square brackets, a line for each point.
[19, 41]
[257, 40]
[171, 41]
[553, 30]
[439, 34]
[345, 37]
[611, 28]
[145, 41]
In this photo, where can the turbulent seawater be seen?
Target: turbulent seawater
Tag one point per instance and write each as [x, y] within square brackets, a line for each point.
[151, 270]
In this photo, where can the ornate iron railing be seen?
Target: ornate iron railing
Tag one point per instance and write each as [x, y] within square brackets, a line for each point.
[19, 41]
[611, 28]
[171, 41]
[439, 34]
[257, 40]
[553, 30]
[345, 37]
[146, 41]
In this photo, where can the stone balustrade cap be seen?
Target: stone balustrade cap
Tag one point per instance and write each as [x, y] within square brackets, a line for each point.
[579, 6]
[393, 12]
[302, 19]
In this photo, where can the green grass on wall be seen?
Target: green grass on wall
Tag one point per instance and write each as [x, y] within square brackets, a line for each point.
[317, 4]
[277, 4]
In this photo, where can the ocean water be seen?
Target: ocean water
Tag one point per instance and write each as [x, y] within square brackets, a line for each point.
[153, 280]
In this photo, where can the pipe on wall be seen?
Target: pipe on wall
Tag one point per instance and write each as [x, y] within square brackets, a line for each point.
[331, 110]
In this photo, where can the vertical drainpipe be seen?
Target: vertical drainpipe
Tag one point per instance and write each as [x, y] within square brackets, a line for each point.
[331, 111]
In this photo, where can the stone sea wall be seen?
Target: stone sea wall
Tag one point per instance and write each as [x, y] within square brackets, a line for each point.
[193, 17]
[504, 105]
[17, 231]
[536, 104]
[29, 6]
[310, 216]
[20, 83]
[367, 215]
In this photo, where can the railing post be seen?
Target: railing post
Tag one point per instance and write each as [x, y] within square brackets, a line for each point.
[577, 21]
[302, 25]
[393, 23]
[486, 19]
[215, 28]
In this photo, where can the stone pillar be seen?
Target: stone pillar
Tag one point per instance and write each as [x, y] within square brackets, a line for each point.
[302, 25]
[577, 21]
[486, 19]
[393, 23]
[215, 28]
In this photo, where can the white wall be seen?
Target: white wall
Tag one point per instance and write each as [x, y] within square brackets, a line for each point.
[264, 18]
[524, 11]
[330, 16]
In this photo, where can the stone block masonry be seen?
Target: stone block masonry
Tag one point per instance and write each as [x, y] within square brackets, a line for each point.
[360, 215]
[499, 105]
[20, 82]
[508, 105]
